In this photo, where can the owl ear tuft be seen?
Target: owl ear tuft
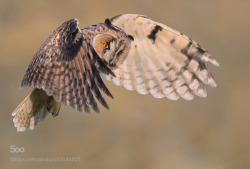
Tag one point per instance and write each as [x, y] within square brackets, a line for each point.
[108, 23]
[131, 37]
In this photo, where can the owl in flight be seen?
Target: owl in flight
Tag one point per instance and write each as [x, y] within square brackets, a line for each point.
[131, 50]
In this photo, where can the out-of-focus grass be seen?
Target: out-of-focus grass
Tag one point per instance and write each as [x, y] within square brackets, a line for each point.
[138, 131]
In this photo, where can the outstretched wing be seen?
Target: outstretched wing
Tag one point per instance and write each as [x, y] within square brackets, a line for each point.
[162, 61]
[67, 68]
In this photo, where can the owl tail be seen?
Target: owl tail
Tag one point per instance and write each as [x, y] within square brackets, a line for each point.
[33, 109]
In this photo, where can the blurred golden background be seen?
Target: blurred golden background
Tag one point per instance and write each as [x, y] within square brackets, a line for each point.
[138, 132]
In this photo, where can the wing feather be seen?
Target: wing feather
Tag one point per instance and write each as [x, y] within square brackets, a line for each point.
[140, 86]
[127, 75]
[165, 62]
[67, 68]
[73, 95]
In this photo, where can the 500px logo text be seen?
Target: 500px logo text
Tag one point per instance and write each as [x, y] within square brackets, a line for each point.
[14, 149]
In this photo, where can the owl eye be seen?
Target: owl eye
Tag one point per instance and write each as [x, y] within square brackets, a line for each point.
[105, 45]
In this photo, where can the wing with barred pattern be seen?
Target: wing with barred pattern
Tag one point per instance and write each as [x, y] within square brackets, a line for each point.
[67, 68]
[162, 61]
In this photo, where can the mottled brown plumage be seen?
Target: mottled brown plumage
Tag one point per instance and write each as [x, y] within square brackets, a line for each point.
[131, 50]
[67, 68]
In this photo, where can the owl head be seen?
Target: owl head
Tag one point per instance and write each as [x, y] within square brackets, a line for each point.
[112, 45]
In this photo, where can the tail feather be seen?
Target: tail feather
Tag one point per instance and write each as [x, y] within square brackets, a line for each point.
[33, 109]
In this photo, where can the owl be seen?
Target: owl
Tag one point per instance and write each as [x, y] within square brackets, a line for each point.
[131, 50]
